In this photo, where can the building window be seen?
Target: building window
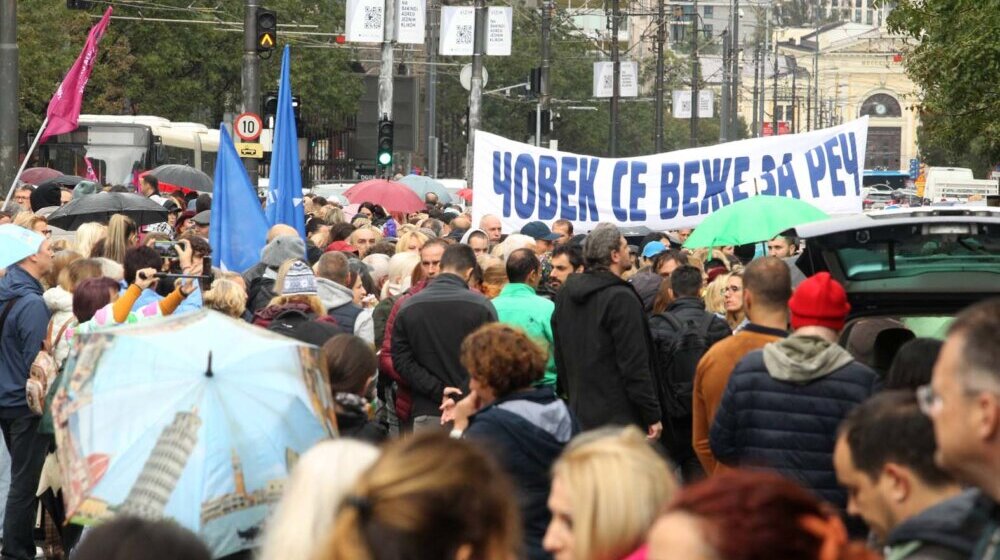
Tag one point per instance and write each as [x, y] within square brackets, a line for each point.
[708, 27]
[881, 105]
[709, 11]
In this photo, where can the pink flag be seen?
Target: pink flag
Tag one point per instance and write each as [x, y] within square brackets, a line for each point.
[90, 176]
[64, 108]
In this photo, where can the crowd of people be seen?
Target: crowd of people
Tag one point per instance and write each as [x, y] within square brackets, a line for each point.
[537, 394]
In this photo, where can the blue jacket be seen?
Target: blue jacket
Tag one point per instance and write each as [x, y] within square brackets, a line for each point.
[782, 407]
[526, 432]
[23, 333]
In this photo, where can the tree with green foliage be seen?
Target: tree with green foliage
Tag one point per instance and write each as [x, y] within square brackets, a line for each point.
[956, 64]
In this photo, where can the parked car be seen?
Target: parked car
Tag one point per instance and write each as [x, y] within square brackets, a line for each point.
[920, 265]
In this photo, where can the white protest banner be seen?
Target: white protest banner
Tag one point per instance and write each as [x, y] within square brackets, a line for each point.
[458, 25]
[365, 21]
[410, 22]
[520, 183]
[628, 83]
[682, 104]
[499, 30]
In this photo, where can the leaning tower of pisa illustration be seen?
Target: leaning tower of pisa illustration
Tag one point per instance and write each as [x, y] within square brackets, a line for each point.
[151, 491]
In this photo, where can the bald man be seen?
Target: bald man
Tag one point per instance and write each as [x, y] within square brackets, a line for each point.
[257, 270]
[491, 225]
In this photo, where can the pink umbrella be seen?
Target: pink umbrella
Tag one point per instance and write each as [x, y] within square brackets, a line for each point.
[394, 197]
[38, 175]
[466, 195]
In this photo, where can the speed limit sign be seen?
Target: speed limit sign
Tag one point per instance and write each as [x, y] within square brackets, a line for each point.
[248, 127]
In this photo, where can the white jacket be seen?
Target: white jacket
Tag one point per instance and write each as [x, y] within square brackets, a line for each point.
[60, 304]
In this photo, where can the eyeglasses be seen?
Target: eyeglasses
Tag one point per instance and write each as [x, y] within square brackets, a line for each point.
[928, 400]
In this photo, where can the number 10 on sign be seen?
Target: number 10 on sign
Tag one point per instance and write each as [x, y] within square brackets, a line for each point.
[248, 127]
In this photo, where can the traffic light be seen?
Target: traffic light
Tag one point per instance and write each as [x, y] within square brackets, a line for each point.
[267, 30]
[535, 81]
[384, 154]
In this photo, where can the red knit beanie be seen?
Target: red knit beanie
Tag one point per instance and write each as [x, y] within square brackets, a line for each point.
[819, 301]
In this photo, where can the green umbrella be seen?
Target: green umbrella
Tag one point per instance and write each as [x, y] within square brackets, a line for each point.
[753, 219]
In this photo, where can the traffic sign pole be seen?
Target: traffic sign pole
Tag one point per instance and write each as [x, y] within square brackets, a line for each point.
[251, 76]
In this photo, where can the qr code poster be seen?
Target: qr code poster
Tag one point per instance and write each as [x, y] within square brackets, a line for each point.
[458, 25]
[628, 80]
[365, 21]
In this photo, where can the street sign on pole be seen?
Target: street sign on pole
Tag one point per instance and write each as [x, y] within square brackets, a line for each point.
[248, 126]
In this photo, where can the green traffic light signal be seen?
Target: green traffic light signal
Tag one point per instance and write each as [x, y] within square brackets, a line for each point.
[384, 152]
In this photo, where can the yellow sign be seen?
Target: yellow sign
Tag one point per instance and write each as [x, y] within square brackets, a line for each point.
[250, 150]
[267, 40]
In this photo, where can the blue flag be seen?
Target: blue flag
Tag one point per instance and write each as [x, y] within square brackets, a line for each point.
[284, 195]
[238, 228]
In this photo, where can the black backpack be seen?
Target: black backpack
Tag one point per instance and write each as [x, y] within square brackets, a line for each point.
[677, 360]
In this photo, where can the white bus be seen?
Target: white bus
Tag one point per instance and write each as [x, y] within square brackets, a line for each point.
[118, 146]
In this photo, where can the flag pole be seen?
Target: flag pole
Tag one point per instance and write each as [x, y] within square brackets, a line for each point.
[27, 156]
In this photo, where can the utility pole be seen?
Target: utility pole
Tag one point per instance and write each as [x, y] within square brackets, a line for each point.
[816, 67]
[386, 69]
[251, 78]
[756, 88]
[616, 66]
[725, 96]
[764, 53]
[545, 93]
[8, 94]
[661, 24]
[795, 109]
[476, 89]
[694, 76]
[734, 83]
[433, 12]
[774, 102]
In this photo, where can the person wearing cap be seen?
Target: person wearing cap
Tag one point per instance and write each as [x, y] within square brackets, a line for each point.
[261, 289]
[296, 310]
[201, 221]
[24, 319]
[544, 243]
[783, 404]
[167, 227]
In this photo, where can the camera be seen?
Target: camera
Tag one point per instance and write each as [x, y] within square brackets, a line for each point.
[166, 249]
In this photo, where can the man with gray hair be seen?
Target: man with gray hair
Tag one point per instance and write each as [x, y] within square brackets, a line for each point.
[602, 344]
[963, 402]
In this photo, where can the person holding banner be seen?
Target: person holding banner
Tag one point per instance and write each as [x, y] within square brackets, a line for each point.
[602, 341]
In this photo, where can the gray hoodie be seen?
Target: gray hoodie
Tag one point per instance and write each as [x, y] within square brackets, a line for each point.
[802, 359]
[334, 295]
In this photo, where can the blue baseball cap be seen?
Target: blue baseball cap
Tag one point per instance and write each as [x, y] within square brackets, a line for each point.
[652, 249]
[539, 231]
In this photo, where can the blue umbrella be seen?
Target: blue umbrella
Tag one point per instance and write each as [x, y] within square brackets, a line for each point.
[172, 419]
[17, 243]
[422, 185]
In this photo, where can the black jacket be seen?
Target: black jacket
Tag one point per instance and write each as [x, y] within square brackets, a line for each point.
[427, 337]
[686, 309]
[526, 433]
[782, 407]
[603, 352]
[946, 531]
[355, 424]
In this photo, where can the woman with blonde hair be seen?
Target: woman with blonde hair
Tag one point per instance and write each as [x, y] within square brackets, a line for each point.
[122, 234]
[733, 301]
[607, 489]
[411, 241]
[715, 293]
[313, 494]
[428, 497]
[87, 236]
[226, 296]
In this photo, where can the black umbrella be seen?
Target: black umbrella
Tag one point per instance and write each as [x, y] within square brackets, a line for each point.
[100, 207]
[63, 181]
[183, 176]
